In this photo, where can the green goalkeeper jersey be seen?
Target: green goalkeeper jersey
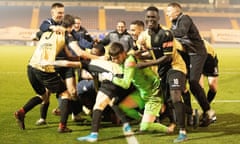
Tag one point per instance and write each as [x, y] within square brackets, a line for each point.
[145, 80]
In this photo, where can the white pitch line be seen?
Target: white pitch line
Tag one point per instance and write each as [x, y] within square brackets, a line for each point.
[223, 101]
[131, 139]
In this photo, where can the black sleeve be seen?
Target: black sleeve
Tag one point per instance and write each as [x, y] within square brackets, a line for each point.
[183, 26]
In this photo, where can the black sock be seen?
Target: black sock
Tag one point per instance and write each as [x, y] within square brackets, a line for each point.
[96, 120]
[76, 106]
[187, 101]
[32, 103]
[170, 112]
[211, 95]
[43, 110]
[120, 114]
[64, 111]
[180, 114]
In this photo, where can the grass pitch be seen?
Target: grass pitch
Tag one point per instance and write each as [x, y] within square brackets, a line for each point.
[15, 90]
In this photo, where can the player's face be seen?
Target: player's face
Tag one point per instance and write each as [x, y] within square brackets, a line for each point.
[119, 59]
[57, 14]
[121, 27]
[151, 19]
[172, 13]
[77, 24]
[69, 29]
[95, 51]
[135, 31]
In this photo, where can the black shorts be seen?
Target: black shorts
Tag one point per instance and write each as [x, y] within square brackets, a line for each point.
[211, 66]
[65, 72]
[173, 80]
[176, 80]
[41, 80]
[115, 91]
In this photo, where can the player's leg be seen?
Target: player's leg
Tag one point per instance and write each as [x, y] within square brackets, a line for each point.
[102, 100]
[64, 108]
[197, 63]
[213, 84]
[43, 111]
[131, 102]
[39, 89]
[176, 81]
[151, 111]
[75, 105]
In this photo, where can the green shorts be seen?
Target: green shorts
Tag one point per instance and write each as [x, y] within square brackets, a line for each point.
[154, 103]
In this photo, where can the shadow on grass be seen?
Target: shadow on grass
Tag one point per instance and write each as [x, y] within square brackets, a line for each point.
[226, 125]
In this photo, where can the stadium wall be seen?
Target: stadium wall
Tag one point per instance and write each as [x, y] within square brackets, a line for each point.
[29, 14]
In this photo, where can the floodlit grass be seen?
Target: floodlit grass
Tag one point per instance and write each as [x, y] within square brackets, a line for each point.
[15, 90]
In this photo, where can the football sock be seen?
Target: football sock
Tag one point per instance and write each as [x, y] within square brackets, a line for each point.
[32, 103]
[180, 114]
[120, 114]
[96, 119]
[43, 110]
[64, 107]
[150, 126]
[187, 101]
[76, 106]
[211, 95]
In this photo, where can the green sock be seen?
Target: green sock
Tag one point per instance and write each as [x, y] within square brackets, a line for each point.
[130, 112]
[150, 126]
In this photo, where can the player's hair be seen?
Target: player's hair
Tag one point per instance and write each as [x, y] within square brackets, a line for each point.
[122, 21]
[68, 21]
[115, 49]
[59, 5]
[153, 8]
[100, 48]
[77, 17]
[176, 5]
[138, 23]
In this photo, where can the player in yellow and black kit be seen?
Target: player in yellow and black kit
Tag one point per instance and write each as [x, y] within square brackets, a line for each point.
[171, 67]
[44, 78]
[210, 70]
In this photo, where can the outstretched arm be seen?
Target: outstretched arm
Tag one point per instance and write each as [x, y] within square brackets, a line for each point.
[66, 63]
[160, 60]
[83, 54]
[61, 63]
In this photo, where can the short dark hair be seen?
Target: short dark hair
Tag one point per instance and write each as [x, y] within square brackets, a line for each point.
[68, 21]
[138, 23]
[100, 48]
[115, 49]
[152, 8]
[54, 5]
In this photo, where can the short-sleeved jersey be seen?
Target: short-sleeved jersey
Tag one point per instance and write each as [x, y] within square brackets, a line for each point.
[162, 43]
[48, 47]
[144, 80]
[209, 48]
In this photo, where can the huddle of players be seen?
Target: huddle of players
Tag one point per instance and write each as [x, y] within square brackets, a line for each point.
[159, 44]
